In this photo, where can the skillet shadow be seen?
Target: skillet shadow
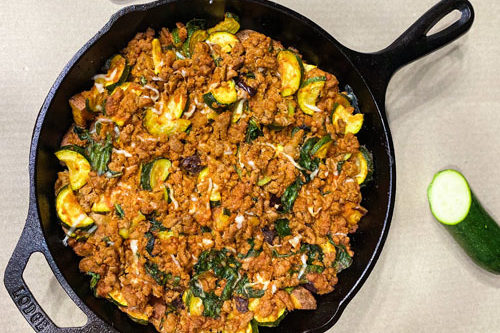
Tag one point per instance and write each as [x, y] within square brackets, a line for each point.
[442, 69]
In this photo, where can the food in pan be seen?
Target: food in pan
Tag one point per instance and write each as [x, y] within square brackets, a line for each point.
[454, 205]
[213, 178]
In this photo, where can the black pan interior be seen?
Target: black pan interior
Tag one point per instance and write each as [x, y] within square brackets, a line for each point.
[280, 24]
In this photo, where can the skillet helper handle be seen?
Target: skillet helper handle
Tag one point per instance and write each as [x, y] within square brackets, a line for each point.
[32, 241]
[379, 67]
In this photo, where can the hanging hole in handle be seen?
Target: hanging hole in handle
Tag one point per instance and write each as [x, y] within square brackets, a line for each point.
[445, 22]
[56, 303]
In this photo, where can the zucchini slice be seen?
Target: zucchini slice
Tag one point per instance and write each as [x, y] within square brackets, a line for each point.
[321, 147]
[291, 72]
[269, 321]
[197, 37]
[215, 195]
[222, 220]
[159, 126]
[308, 67]
[353, 122]
[309, 93]
[138, 317]
[364, 161]
[117, 73]
[193, 304]
[230, 24]
[168, 122]
[69, 210]
[327, 247]
[221, 96]
[103, 205]
[454, 205]
[117, 298]
[264, 180]
[78, 165]
[238, 109]
[156, 51]
[154, 173]
[225, 40]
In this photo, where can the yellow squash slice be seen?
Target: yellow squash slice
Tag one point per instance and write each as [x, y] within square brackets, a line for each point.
[353, 122]
[168, 121]
[225, 40]
[308, 94]
[272, 320]
[291, 71]
[69, 210]
[156, 50]
[116, 297]
[78, 165]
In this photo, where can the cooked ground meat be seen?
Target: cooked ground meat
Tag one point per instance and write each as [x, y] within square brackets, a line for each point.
[210, 195]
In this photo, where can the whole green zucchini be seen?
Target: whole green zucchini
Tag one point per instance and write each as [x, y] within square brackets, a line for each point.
[454, 205]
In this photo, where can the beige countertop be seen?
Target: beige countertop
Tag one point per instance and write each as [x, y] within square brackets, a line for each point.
[443, 110]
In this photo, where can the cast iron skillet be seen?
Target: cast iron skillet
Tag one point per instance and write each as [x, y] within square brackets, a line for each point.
[368, 74]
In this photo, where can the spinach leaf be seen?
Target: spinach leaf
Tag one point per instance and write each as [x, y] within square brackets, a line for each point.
[159, 276]
[216, 261]
[151, 242]
[253, 131]
[290, 195]
[252, 252]
[306, 159]
[339, 166]
[196, 288]
[282, 228]
[342, 260]
[205, 229]
[214, 204]
[143, 80]
[119, 211]
[244, 289]
[98, 153]
[175, 36]
[156, 225]
[82, 133]
[94, 279]
[212, 305]
[176, 281]
[315, 269]
[352, 98]
[313, 251]
[276, 254]
[223, 266]
[98, 127]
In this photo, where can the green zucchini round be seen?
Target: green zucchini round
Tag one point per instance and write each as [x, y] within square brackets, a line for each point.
[454, 205]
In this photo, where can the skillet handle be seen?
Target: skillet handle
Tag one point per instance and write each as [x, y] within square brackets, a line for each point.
[32, 241]
[414, 43]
